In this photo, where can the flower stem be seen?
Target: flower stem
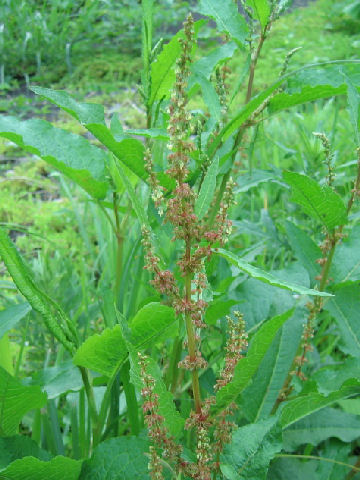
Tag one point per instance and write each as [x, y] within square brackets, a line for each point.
[191, 334]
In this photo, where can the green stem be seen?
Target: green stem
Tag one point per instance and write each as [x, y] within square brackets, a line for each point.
[131, 401]
[172, 373]
[191, 334]
[120, 245]
[90, 398]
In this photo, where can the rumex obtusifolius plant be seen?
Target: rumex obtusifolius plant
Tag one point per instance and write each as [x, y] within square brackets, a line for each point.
[214, 406]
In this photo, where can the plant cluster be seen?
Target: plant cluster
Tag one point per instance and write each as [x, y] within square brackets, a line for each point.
[237, 326]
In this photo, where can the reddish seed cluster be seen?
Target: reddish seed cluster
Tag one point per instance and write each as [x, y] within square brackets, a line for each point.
[235, 347]
[199, 240]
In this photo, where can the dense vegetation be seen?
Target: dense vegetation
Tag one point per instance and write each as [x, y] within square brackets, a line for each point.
[180, 280]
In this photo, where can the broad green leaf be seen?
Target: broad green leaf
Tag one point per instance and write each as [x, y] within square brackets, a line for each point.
[15, 401]
[307, 403]
[261, 9]
[317, 427]
[351, 405]
[104, 353]
[354, 107]
[316, 81]
[54, 317]
[119, 458]
[227, 18]
[266, 277]
[18, 446]
[58, 379]
[31, 468]
[129, 151]
[253, 179]
[85, 113]
[305, 249]
[71, 154]
[260, 396]
[292, 469]
[319, 202]
[345, 265]
[119, 176]
[337, 451]
[12, 315]
[345, 308]
[207, 189]
[205, 65]
[152, 322]
[252, 448]
[247, 366]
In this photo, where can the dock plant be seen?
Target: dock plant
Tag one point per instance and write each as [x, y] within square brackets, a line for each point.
[186, 349]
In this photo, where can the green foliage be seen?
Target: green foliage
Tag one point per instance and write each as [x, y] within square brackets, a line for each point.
[15, 401]
[117, 458]
[111, 344]
[250, 459]
[35, 469]
[265, 277]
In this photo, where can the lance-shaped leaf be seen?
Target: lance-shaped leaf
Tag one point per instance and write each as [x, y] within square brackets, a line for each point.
[32, 468]
[266, 277]
[227, 18]
[261, 9]
[345, 308]
[120, 178]
[252, 448]
[211, 98]
[316, 81]
[320, 202]
[11, 316]
[304, 85]
[15, 401]
[305, 249]
[207, 189]
[129, 151]
[205, 65]
[71, 154]
[354, 107]
[307, 403]
[317, 427]
[260, 396]
[163, 68]
[247, 366]
[54, 317]
[345, 266]
[118, 458]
